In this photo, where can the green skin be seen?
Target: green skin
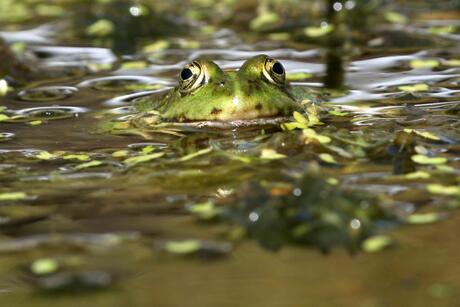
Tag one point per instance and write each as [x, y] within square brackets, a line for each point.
[230, 95]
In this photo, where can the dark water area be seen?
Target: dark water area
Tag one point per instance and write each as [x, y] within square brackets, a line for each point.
[351, 203]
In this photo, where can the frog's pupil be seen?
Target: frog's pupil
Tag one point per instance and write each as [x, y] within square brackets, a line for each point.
[186, 74]
[278, 68]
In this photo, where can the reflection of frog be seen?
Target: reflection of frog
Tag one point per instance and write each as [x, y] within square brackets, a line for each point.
[205, 92]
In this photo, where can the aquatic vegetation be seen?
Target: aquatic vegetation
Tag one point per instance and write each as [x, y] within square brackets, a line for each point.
[99, 192]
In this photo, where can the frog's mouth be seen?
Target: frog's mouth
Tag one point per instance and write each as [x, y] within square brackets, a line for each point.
[230, 124]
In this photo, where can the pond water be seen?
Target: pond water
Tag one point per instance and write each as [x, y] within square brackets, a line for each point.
[352, 203]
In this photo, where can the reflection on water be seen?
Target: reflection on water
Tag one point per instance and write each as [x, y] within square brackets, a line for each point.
[92, 196]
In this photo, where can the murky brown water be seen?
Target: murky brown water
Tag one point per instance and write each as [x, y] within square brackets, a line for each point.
[69, 196]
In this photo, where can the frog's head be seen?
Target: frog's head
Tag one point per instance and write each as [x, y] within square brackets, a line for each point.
[206, 92]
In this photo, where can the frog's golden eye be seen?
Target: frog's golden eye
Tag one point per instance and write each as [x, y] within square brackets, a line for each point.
[191, 77]
[274, 72]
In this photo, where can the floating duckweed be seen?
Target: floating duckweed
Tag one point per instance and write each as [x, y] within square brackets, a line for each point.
[13, 196]
[264, 20]
[332, 181]
[101, 28]
[422, 159]
[45, 155]
[425, 218]
[453, 62]
[424, 63]
[311, 134]
[270, 154]
[35, 122]
[158, 45]
[318, 31]
[328, 158]
[443, 189]
[420, 87]
[425, 134]
[148, 149]
[300, 118]
[298, 76]
[4, 117]
[3, 87]
[120, 153]
[336, 112]
[204, 211]
[48, 10]
[44, 266]
[313, 116]
[375, 244]
[281, 36]
[417, 175]
[134, 65]
[142, 158]
[395, 17]
[79, 157]
[93, 163]
[443, 30]
[182, 247]
[196, 154]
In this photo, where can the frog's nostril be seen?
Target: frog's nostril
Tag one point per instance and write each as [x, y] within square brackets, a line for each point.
[222, 83]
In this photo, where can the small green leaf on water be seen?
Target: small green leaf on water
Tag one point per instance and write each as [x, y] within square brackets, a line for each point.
[424, 63]
[183, 247]
[443, 189]
[148, 149]
[443, 30]
[89, 164]
[425, 134]
[422, 159]
[318, 31]
[120, 153]
[376, 243]
[100, 28]
[311, 134]
[298, 76]
[12, 196]
[420, 87]
[280, 36]
[35, 122]
[328, 158]
[264, 20]
[4, 117]
[313, 116]
[79, 157]
[395, 17]
[332, 181]
[142, 158]
[158, 45]
[3, 87]
[196, 154]
[338, 113]
[45, 155]
[425, 218]
[271, 154]
[44, 266]
[453, 62]
[134, 65]
[293, 125]
[299, 118]
[205, 210]
[417, 175]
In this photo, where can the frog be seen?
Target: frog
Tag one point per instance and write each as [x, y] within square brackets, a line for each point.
[206, 92]
[206, 95]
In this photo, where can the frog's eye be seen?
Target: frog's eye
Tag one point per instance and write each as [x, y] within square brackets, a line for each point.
[191, 77]
[274, 71]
